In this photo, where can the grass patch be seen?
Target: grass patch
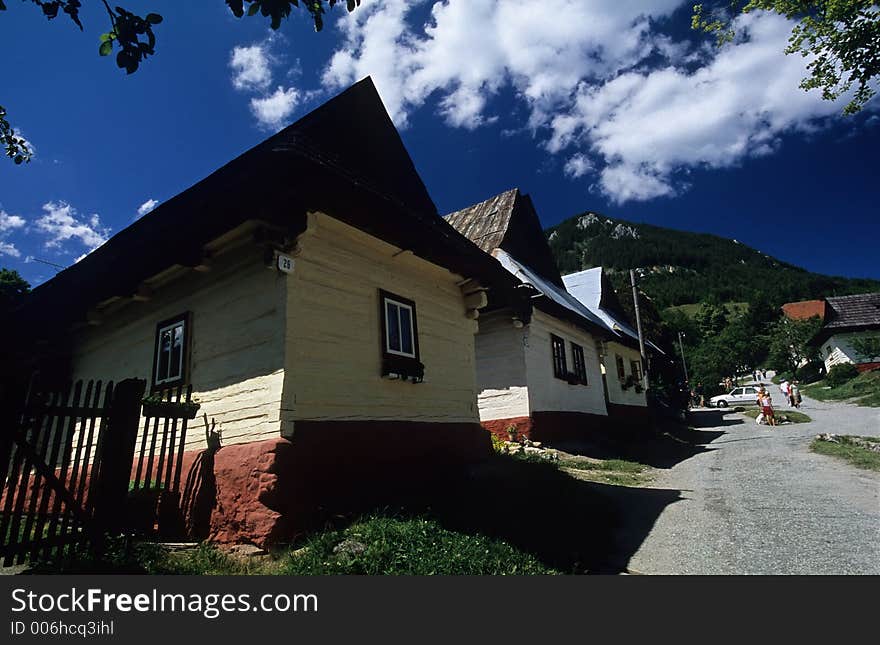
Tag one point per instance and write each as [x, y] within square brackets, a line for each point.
[617, 472]
[374, 545]
[862, 390]
[856, 455]
[380, 545]
[791, 415]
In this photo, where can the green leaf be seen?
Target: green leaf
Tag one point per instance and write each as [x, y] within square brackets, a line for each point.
[253, 9]
[106, 48]
[153, 18]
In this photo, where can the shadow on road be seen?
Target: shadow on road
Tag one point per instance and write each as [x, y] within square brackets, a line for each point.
[571, 525]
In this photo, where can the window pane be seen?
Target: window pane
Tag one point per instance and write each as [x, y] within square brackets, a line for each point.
[175, 365]
[406, 336]
[393, 323]
[164, 354]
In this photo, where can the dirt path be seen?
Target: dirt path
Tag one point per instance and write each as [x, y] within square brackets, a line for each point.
[759, 502]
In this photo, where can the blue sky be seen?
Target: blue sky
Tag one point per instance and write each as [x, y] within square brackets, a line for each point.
[605, 105]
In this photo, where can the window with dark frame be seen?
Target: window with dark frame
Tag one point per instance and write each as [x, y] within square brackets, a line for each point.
[580, 365]
[621, 368]
[171, 352]
[636, 369]
[400, 337]
[560, 370]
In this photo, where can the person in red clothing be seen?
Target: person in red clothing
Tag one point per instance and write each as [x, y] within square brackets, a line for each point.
[767, 409]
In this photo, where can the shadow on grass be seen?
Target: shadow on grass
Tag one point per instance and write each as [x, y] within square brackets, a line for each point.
[570, 525]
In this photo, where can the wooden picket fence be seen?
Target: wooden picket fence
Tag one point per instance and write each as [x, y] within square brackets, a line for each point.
[66, 462]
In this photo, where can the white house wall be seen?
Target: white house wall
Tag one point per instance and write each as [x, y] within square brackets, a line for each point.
[616, 393]
[501, 368]
[548, 393]
[333, 353]
[838, 349]
[237, 344]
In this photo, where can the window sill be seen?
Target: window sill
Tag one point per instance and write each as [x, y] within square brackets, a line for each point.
[402, 368]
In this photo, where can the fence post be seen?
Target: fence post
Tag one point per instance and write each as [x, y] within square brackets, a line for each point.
[117, 447]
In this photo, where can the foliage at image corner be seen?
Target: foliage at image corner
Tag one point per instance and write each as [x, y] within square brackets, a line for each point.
[841, 37]
[133, 38]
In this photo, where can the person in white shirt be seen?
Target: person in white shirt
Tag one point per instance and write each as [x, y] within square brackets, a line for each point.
[784, 387]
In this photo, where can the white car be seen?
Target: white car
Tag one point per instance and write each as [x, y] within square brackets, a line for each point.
[747, 395]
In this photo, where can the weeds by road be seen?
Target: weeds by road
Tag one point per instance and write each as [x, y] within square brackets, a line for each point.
[846, 447]
[862, 390]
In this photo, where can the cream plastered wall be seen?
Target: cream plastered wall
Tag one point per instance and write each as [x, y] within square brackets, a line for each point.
[842, 350]
[238, 317]
[333, 352]
[616, 393]
[501, 368]
[548, 393]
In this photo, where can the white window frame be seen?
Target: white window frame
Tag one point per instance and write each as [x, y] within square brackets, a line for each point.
[180, 367]
[412, 331]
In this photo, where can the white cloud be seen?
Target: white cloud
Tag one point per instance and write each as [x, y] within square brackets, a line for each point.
[8, 248]
[577, 165]
[470, 49]
[649, 125]
[9, 223]
[61, 223]
[147, 206]
[625, 104]
[273, 111]
[251, 67]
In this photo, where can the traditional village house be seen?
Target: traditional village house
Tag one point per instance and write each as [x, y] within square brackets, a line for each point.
[538, 366]
[322, 310]
[846, 321]
[622, 369]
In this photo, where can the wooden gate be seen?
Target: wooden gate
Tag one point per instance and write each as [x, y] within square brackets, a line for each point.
[65, 464]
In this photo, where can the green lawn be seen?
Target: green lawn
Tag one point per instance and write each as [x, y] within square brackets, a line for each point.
[618, 472]
[863, 390]
[856, 455]
[792, 415]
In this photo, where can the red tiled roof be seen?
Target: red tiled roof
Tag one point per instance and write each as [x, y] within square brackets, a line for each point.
[804, 309]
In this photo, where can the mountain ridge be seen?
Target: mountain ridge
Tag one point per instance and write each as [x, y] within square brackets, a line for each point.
[685, 267]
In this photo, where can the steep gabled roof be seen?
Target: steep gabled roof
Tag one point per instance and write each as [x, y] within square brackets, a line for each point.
[509, 221]
[345, 159]
[852, 312]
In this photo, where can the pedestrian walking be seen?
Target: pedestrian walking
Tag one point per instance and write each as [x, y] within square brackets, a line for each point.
[794, 394]
[767, 409]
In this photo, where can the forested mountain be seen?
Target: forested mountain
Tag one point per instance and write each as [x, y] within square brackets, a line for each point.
[681, 268]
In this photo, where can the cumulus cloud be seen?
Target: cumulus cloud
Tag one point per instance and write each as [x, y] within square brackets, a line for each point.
[273, 111]
[61, 223]
[577, 165]
[8, 224]
[251, 67]
[648, 125]
[629, 106]
[147, 206]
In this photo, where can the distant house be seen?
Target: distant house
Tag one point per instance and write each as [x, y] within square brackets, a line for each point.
[320, 307]
[622, 369]
[804, 309]
[538, 367]
[848, 319]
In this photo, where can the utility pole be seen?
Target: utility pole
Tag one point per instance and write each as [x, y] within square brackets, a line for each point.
[683, 363]
[632, 278]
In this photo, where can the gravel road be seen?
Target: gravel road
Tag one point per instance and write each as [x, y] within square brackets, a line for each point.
[759, 502]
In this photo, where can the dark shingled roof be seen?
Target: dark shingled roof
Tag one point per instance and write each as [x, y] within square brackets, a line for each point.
[862, 310]
[509, 221]
[345, 159]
